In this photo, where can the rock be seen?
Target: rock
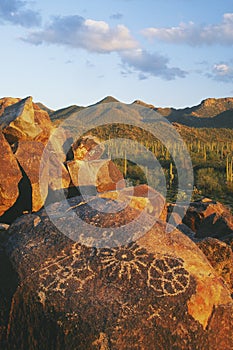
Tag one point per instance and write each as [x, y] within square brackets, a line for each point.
[42, 119]
[6, 102]
[59, 177]
[87, 148]
[102, 174]
[8, 284]
[18, 121]
[4, 227]
[38, 117]
[10, 176]
[208, 218]
[29, 155]
[220, 256]
[158, 291]
[141, 197]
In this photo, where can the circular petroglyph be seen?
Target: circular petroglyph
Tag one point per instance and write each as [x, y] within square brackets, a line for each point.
[124, 262]
[167, 276]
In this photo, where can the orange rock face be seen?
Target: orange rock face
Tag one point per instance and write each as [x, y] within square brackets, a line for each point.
[10, 175]
[29, 155]
[103, 174]
[87, 148]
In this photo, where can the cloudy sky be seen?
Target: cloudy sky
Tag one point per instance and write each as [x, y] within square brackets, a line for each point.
[164, 52]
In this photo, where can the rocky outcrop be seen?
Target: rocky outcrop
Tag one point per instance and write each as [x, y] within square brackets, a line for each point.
[208, 218]
[157, 291]
[27, 130]
[10, 176]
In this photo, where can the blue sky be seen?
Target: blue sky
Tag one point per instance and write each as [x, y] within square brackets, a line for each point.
[164, 52]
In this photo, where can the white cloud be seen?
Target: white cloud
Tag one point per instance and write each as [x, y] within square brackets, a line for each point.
[98, 37]
[147, 64]
[222, 72]
[16, 12]
[192, 34]
[76, 32]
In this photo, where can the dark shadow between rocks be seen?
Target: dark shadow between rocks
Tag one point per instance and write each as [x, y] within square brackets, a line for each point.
[23, 202]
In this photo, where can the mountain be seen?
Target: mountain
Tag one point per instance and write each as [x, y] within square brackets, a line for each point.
[107, 99]
[210, 113]
[44, 108]
[61, 114]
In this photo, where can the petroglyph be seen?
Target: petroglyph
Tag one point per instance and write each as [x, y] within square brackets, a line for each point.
[167, 276]
[124, 262]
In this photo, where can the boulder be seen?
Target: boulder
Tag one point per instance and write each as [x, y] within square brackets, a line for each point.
[156, 291]
[29, 155]
[10, 176]
[18, 121]
[103, 174]
[208, 218]
[37, 117]
[220, 256]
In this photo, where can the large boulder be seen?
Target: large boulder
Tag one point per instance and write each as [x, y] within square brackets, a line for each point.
[208, 218]
[156, 291]
[102, 174]
[10, 176]
[30, 114]
[18, 121]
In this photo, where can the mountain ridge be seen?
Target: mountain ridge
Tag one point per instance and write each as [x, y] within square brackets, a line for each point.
[209, 113]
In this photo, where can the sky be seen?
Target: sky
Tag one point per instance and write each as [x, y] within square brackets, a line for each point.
[163, 52]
